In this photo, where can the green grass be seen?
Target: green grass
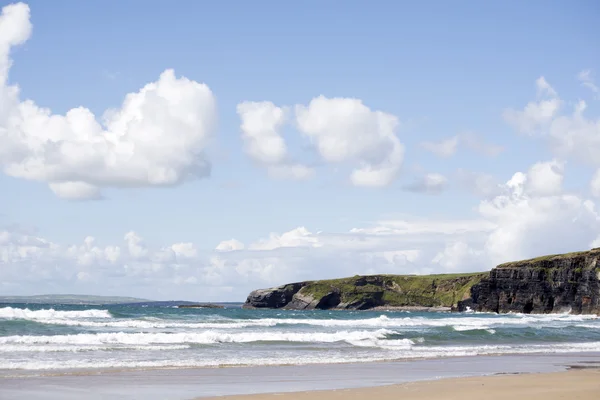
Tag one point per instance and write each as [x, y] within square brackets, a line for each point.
[399, 290]
[542, 259]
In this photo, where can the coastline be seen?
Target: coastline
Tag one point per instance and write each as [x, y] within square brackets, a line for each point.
[352, 379]
[583, 384]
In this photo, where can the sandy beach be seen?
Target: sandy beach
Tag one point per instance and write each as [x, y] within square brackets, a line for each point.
[583, 384]
[572, 376]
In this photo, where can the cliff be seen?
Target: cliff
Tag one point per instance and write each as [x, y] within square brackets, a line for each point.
[557, 283]
[550, 284]
[365, 292]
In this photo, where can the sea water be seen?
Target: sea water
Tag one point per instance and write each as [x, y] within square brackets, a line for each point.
[73, 337]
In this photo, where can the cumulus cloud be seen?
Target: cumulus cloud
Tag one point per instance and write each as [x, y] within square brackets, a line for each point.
[534, 225]
[157, 137]
[545, 178]
[261, 124]
[230, 245]
[432, 183]
[536, 114]
[571, 134]
[530, 217]
[344, 130]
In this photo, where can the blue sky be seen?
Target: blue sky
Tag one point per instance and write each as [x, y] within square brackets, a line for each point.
[443, 71]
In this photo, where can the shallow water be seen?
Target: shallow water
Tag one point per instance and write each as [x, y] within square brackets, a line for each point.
[45, 337]
[185, 384]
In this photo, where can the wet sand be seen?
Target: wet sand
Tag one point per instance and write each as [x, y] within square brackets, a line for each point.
[582, 384]
[450, 378]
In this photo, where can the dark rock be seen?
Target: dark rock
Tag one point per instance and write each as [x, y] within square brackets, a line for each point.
[368, 292]
[205, 305]
[560, 283]
[277, 297]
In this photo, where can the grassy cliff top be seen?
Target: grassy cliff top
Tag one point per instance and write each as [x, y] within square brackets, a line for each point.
[399, 290]
[551, 257]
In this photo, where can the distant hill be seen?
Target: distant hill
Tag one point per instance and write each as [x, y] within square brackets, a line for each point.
[70, 299]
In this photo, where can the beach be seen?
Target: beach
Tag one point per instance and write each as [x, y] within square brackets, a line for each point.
[130, 352]
[456, 376]
[582, 384]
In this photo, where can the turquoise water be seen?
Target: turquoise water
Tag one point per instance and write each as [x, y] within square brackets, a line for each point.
[51, 337]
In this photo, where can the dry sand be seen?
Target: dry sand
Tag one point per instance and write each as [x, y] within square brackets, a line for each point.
[581, 384]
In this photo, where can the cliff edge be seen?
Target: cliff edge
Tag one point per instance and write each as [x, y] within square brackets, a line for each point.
[550, 284]
[366, 292]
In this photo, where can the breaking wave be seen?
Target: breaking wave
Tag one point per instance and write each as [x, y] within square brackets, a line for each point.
[50, 314]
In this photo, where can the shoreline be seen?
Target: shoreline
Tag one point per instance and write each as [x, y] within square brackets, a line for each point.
[207, 383]
[580, 383]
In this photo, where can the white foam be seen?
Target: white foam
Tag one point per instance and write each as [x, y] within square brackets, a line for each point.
[19, 348]
[401, 350]
[50, 314]
[206, 337]
[393, 344]
[459, 322]
[189, 363]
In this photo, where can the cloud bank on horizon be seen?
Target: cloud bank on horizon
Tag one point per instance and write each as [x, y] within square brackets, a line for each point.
[161, 136]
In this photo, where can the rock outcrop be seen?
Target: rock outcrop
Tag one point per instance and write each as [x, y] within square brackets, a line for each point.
[203, 305]
[367, 292]
[550, 284]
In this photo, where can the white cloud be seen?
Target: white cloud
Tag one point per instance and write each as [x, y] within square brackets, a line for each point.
[230, 245]
[75, 190]
[135, 245]
[156, 138]
[298, 237]
[530, 226]
[536, 114]
[585, 77]
[344, 130]
[530, 217]
[432, 183]
[570, 135]
[456, 255]
[545, 178]
[261, 123]
[184, 250]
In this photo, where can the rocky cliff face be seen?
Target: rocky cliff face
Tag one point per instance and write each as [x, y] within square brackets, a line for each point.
[365, 292]
[559, 283]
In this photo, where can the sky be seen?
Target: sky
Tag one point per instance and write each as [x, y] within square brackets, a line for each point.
[199, 150]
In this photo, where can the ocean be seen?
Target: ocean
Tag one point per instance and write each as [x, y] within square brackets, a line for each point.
[37, 338]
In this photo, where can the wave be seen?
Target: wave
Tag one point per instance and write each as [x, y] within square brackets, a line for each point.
[16, 348]
[50, 314]
[189, 363]
[399, 351]
[458, 323]
[207, 337]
